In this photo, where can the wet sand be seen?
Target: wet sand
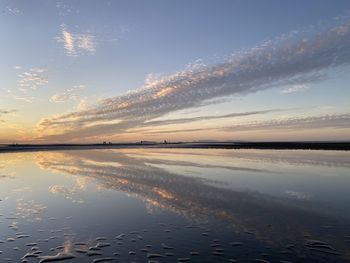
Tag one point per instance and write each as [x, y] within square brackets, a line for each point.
[175, 205]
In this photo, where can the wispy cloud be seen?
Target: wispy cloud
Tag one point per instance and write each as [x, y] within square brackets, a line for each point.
[64, 8]
[69, 94]
[11, 10]
[205, 118]
[294, 89]
[335, 121]
[77, 44]
[195, 130]
[25, 99]
[32, 79]
[4, 113]
[338, 121]
[294, 59]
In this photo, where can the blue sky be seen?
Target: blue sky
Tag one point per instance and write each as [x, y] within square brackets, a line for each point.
[65, 62]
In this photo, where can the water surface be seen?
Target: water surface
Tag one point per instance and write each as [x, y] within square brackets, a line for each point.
[168, 205]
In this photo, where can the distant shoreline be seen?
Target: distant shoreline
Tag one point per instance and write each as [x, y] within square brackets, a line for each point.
[335, 146]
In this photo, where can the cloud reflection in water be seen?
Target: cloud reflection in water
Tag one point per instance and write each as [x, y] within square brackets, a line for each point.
[278, 220]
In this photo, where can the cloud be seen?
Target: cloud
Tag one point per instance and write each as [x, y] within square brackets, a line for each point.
[63, 97]
[17, 67]
[10, 10]
[338, 121]
[76, 44]
[7, 176]
[295, 88]
[65, 8]
[69, 94]
[4, 113]
[297, 58]
[32, 79]
[25, 99]
[155, 132]
[205, 118]
[83, 104]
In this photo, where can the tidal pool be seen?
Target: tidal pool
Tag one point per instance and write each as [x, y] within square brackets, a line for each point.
[175, 205]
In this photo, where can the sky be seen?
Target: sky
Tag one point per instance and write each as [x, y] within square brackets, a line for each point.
[184, 70]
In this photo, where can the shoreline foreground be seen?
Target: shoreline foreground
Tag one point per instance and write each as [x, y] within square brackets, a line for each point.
[335, 146]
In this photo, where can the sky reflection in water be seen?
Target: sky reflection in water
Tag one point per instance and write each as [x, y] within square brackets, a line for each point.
[273, 205]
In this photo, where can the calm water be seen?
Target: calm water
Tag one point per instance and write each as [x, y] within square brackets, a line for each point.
[163, 205]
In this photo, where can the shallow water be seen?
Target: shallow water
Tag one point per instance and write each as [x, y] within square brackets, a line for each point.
[170, 205]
